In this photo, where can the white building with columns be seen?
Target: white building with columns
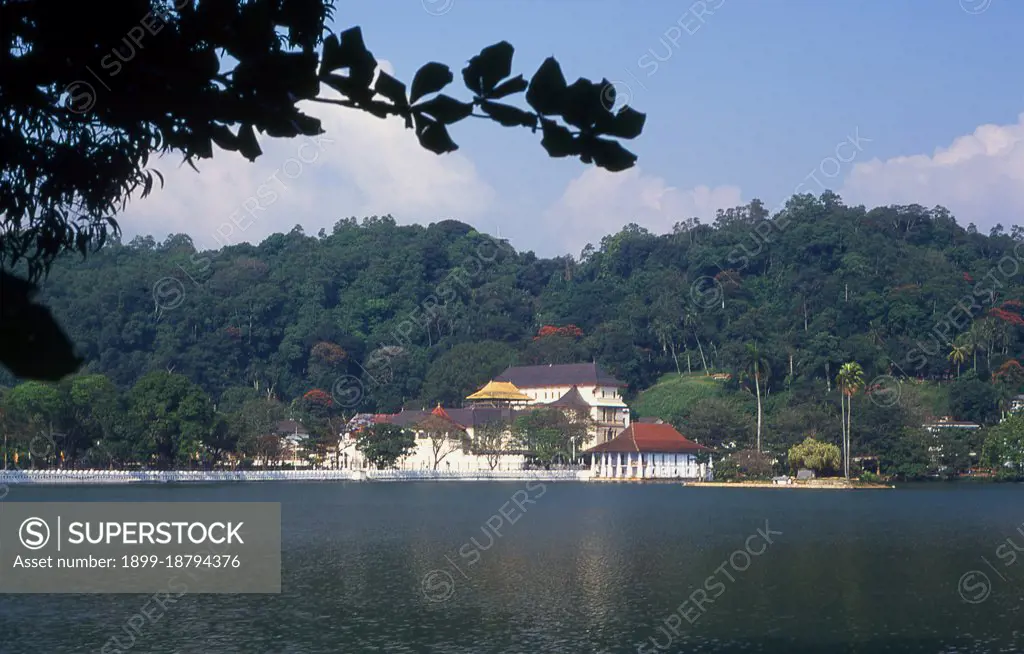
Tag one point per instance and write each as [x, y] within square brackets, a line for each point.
[650, 451]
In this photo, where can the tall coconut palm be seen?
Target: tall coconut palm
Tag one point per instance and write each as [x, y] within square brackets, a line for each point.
[970, 339]
[758, 369]
[849, 380]
[959, 353]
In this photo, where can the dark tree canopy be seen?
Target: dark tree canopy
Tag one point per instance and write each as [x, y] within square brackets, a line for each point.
[92, 90]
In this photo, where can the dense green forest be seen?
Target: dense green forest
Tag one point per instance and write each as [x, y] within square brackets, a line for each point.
[373, 316]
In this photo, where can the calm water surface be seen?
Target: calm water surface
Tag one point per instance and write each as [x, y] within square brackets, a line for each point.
[599, 568]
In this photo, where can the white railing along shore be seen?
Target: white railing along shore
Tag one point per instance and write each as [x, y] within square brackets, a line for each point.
[62, 477]
[478, 475]
[48, 477]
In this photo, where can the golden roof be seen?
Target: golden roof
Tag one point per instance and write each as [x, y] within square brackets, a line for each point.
[505, 391]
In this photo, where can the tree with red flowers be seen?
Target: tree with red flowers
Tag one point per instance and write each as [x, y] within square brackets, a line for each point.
[322, 417]
[329, 353]
[1010, 376]
[570, 331]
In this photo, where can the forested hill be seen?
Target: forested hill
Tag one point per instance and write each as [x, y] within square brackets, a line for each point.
[426, 314]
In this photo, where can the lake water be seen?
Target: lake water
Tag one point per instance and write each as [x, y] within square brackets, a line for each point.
[412, 567]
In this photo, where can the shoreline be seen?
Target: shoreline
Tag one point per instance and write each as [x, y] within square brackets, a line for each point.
[820, 485]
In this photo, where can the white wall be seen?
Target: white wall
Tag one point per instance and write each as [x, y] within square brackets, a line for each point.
[422, 458]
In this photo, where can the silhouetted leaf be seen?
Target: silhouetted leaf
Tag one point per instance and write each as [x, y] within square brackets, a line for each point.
[558, 140]
[583, 105]
[377, 108]
[347, 87]
[430, 78]
[434, 137]
[628, 123]
[607, 154]
[345, 50]
[280, 126]
[546, 91]
[391, 89]
[247, 145]
[445, 109]
[507, 115]
[224, 139]
[515, 85]
[485, 70]
[307, 124]
[332, 57]
[349, 51]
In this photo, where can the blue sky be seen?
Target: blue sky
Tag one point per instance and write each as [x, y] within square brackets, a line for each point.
[751, 98]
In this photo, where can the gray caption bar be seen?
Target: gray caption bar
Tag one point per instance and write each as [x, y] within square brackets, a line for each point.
[140, 547]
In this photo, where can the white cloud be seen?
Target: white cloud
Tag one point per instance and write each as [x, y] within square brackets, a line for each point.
[362, 166]
[979, 178]
[598, 203]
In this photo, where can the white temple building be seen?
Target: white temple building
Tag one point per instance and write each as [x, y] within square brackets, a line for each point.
[574, 385]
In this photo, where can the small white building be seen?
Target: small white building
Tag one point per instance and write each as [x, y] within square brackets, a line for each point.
[946, 422]
[649, 451]
[1015, 406]
[294, 439]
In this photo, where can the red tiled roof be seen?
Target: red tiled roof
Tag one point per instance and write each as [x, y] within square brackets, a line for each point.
[645, 437]
[437, 419]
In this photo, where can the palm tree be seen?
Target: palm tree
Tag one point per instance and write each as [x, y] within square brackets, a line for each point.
[691, 321]
[984, 334]
[758, 369]
[662, 329]
[959, 353]
[849, 380]
[970, 339]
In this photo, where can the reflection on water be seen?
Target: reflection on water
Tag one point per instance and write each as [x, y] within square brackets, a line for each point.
[584, 568]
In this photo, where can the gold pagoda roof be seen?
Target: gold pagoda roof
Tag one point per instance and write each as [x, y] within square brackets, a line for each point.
[504, 391]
